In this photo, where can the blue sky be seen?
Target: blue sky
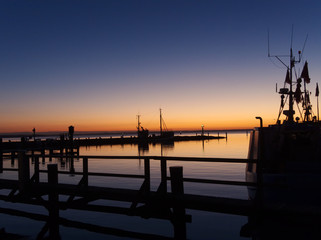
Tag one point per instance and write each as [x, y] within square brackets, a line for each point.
[97, 64]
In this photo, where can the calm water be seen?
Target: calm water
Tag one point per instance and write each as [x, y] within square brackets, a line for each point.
[204, 225]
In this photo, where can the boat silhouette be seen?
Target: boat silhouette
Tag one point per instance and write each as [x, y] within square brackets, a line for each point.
[288, 167]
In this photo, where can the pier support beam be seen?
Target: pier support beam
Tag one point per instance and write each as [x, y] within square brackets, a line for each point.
[23, 170]
[179, 214]
[85, 171]
[1, 161]
[147, 174]
[163, 186]
[53, 206]
[36, 172]
[1, 156]
[12, 158]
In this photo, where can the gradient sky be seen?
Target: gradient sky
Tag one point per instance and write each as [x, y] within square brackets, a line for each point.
[97, 64]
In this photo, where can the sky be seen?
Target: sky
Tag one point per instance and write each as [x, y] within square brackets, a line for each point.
[96, 65]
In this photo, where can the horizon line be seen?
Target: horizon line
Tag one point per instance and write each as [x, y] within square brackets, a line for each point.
[6, 134]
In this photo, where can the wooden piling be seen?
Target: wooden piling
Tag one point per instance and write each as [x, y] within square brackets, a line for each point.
[61, 154]
[53, 198]
[32, 155]
[23, 170]
[1, 161]
[163, 175]
[36, 172]
[1, 157]
[85, 171]
[177, 186]
[72, 166]
[147, 174]
[12, 158]
[43, 156]
[50, 155]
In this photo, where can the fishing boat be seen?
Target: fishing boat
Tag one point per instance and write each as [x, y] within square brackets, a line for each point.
[142, 133]
[165, 134]
[288, 153]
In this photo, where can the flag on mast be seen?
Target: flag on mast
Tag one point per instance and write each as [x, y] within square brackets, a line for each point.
[287, 77]
[317, 91]
[305, 73]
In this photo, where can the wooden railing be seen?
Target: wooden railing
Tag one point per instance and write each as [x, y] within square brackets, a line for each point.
[29, 189]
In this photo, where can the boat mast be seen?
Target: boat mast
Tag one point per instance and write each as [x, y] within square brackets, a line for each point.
[160, 122]
[138, 122]
[291, 112]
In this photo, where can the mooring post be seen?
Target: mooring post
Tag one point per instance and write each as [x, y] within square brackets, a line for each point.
[53, 198]
[1, 156]
[85, 171]
[1, 161]
[163, 175]
[32, 156]
[147, 174]
[12, 158]
[50, 155]
[72, 166]
[179, 214]
[71, 148]
[61, 154]
[36, 173]
[23, 170]
[43, 156]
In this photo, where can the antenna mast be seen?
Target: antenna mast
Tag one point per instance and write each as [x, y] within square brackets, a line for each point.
[160, 121]
[290, 112]
[138, 122]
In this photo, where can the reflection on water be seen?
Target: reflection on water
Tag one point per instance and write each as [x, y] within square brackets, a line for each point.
[221, 226]
[235, 146]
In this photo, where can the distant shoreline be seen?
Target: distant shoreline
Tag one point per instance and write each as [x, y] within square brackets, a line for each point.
[111, 133]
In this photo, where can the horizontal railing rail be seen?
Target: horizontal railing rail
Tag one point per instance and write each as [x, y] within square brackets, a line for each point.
[163, 160]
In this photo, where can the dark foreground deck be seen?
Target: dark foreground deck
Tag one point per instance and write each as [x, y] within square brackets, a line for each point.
[160, 204]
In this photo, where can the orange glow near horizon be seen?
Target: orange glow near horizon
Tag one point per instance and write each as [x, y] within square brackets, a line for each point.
[125, 124]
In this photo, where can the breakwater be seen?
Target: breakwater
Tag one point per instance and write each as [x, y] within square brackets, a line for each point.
[77, 142]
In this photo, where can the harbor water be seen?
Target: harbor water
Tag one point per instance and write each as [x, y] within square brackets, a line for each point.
[204, 225]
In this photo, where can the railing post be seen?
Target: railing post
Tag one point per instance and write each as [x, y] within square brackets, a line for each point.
[12, 158]
[23, 170]
[85, 171]
[1, 156]
[61, 154]
[178, 208]
[53, 221]
[259, 165]
[43, 156]
[50, 155]
[147, 174]
[72, 166]
[32, 156]
[164, 175]
[36, 173]
[1, 161]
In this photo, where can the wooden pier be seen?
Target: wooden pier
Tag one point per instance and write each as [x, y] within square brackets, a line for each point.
[75, 143]
[160, 204]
